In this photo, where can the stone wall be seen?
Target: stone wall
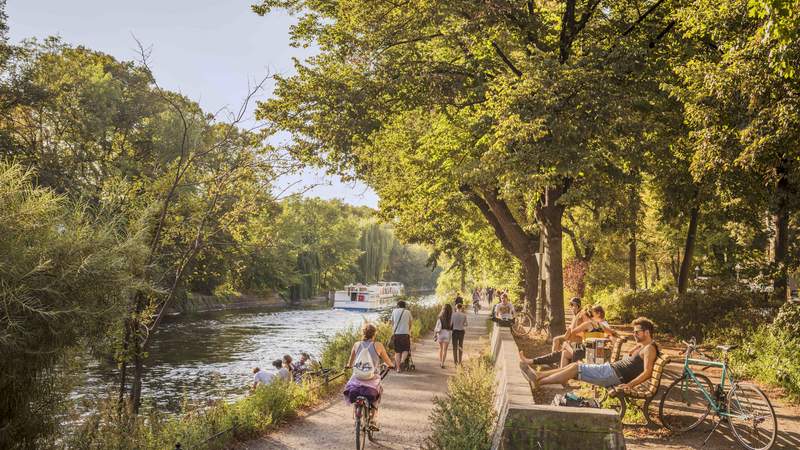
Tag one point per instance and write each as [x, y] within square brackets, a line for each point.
[524, 425]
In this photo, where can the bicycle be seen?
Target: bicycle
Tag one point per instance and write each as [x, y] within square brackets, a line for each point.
[363, 412]
[692, 397]
[523, 322]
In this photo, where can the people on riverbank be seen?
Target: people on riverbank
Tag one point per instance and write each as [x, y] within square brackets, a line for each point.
[261, 378]
[634, 369]
[365, 359]
[401, 336]
[442, 332]
[300, 367]
[459, 329]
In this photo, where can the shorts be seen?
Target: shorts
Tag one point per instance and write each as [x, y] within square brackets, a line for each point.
[598, 374]
[402, 343]
[444, 336]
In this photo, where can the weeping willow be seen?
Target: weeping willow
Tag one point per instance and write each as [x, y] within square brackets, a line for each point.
[308, 267]
[376, 243]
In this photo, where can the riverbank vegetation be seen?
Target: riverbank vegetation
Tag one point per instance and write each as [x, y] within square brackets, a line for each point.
[224, 423]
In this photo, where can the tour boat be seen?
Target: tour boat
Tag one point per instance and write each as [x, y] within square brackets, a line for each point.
[362, 297]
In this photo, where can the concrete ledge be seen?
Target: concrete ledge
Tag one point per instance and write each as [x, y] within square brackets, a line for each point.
[521, 424]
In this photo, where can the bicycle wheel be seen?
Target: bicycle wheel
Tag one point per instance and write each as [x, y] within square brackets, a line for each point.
[523, 324]
[362, 424]
[683, 406]
[751, 417]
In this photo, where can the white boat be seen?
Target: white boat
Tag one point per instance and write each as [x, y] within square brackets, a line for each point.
[362, 297]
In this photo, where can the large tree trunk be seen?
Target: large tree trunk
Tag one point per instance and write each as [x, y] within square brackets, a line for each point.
[780, 242]
[632, 261]
[519, 243]
[688, 250]
[551, 214]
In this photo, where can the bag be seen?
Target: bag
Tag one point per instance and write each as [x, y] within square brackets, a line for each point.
[570, 399]
[363, 367]
[391, 339]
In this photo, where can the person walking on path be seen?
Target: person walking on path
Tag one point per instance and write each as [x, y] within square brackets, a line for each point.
[401, 336]
[444, 325]
[459, 328]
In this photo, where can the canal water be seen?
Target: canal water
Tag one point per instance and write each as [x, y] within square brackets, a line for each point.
[210, 356]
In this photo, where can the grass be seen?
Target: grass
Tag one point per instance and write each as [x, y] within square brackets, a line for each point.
[224, 423]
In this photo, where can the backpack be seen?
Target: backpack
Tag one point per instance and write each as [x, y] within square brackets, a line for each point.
[363, 367]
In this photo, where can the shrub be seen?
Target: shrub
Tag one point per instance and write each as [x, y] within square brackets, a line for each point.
[711, 309]
[464, 418]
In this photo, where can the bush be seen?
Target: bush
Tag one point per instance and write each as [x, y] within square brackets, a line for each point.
[769, 354]
[464, 418]
[712, 309]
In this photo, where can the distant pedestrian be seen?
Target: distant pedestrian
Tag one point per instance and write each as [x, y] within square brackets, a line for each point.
[401, 336]
[459, 328]
[490, 295]
[444, 326]
[459, 299]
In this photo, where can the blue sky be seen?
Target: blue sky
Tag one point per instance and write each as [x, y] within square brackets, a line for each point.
[206, 49]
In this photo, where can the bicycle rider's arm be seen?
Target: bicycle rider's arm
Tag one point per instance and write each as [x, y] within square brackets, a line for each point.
[352, 356]
[649, 361]
[382, 353]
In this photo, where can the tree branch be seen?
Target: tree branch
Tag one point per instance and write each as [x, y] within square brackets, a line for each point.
[506, 60]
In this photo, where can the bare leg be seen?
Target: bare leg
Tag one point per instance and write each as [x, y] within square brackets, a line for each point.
[444, 352]
[557, 341]
[561, 376]
[566, 355]
[403, 357]
[397, 358]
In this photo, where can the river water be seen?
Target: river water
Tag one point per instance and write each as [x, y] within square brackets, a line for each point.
[210, 356]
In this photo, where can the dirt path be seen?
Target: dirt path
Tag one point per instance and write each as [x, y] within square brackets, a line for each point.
[407, 402]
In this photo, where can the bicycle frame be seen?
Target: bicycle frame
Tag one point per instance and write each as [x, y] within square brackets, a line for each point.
[687, 371]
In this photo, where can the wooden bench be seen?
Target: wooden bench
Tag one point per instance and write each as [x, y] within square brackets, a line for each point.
[648, 390]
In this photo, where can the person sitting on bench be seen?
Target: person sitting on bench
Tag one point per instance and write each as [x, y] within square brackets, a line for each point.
[628, 372]
[572, 348]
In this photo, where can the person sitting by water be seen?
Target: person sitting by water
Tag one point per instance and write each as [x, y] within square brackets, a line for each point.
[289, 366]
[301, 366]
[634, 369]
[573, 349]
[365, 380]
[261, 378]
[283, 372]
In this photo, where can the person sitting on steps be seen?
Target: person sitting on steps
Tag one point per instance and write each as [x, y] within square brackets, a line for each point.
[631, 371]
[571, 351]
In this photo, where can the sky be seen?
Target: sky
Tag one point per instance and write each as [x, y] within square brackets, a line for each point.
[209, 50]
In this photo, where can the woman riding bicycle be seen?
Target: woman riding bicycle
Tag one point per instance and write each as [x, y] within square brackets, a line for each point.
[369, 385]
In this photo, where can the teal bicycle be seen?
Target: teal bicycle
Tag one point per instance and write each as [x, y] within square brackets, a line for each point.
[692, 397]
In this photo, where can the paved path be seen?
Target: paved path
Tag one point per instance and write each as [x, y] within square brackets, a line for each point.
[405, 407]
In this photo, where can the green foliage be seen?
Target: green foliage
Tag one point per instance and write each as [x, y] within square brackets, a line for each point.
[262, 410]
[769, 355]
[709, 310]
[464, 418]
[64, 278]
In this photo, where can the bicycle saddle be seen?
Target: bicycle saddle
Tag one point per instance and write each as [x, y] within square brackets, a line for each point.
[726, 348]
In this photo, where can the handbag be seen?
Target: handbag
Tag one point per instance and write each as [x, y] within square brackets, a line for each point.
[391, 339]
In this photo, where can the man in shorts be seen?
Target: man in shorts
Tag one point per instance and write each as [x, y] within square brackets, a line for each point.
[634, 369]
[401, 325]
